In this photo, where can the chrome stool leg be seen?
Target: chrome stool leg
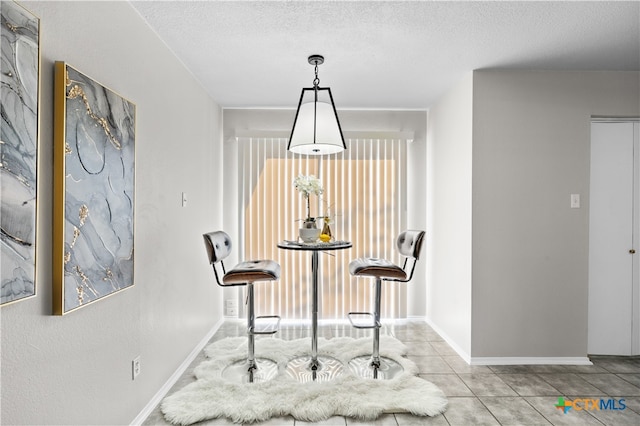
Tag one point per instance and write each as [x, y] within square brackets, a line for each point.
[251, 323]
[375, 357]
[374, 366]
[252, 369]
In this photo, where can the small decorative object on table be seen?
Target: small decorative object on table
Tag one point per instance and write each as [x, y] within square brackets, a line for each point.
[325, 235]
[309, 235]
[308, 185]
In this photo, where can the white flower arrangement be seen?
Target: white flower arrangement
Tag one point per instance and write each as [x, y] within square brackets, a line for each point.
[307, 185]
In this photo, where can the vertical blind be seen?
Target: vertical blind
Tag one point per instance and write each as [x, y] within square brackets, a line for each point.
[364, 194]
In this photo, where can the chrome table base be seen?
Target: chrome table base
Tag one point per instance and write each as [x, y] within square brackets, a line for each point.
[323, 369]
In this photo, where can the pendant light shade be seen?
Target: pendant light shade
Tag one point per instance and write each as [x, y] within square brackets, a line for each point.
[316, 128]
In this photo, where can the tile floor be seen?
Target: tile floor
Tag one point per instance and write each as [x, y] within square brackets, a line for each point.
[478, 395]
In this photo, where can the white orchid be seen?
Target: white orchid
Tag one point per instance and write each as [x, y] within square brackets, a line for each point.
[308, 185]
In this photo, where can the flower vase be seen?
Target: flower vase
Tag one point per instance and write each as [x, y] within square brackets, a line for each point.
[309, 232]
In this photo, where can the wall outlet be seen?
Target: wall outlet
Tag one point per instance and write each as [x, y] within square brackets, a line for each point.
[135, 367]
[231, 308]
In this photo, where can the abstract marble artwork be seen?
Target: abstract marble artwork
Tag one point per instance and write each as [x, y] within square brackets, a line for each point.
[94, 159]
[19, 94]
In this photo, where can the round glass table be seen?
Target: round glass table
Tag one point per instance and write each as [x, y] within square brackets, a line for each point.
[314, 367]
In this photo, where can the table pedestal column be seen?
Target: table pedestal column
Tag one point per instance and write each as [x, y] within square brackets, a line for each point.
[314, 367]
[314, 311]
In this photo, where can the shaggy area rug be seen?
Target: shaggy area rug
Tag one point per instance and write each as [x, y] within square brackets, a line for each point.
[211, 396]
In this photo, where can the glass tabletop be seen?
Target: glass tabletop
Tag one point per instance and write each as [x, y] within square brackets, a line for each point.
[331, 245]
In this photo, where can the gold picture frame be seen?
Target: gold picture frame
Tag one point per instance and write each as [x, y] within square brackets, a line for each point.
[94, 191]
[19, 145]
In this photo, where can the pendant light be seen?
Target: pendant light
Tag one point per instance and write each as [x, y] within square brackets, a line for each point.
[316, 128]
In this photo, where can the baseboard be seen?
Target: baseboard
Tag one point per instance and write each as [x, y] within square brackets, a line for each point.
[416, 318]
[157, 398]
[517, 360]
[462, 353]
[499, 360]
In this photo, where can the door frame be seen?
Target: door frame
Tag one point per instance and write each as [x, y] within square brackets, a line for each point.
[635, 326]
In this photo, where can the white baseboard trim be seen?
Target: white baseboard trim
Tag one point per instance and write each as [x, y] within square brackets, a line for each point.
[417, 318]
[157, 398]
[463, 354]
[499, 360]
[517, 360]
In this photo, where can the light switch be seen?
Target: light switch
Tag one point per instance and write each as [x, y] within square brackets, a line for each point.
[575, 201]
[184, 199]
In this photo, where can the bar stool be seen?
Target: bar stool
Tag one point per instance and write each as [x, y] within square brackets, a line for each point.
[409, 244]
[252, 369]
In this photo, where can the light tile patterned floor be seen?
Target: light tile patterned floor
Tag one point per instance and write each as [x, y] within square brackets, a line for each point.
[478, 395]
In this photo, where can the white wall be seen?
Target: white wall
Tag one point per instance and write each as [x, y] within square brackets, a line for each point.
[449, 155]
[76, 369]
[531, 140]
[417, 217]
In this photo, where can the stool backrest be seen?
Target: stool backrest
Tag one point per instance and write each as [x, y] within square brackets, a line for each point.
[218, 245]
[409, 243]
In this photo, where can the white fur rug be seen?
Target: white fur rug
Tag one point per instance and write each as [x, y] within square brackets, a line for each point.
[210, 396]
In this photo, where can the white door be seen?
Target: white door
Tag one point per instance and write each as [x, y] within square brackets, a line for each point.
[613, 291]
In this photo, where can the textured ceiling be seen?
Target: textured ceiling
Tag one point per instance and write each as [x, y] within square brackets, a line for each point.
[384, 55]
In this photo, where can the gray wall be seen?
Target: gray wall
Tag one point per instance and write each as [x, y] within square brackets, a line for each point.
[76, 369]
[531, 147]
[508, 257]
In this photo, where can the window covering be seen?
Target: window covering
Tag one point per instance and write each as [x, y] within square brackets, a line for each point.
[365, 197]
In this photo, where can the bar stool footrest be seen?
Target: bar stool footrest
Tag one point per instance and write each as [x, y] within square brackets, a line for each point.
[266, 324]
[364, 320]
